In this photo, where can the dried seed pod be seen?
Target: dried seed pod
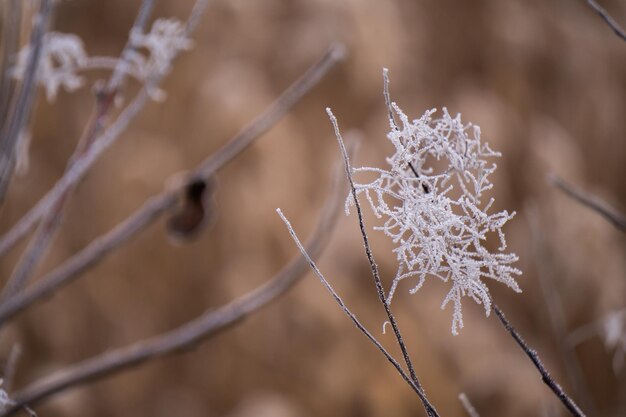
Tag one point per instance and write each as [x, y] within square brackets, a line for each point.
[196, 211]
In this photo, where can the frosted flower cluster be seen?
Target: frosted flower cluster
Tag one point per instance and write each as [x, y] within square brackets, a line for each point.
[62, 55]
[431, 198]
[166, 38]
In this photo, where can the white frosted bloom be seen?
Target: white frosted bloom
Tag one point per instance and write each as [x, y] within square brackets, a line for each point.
[166, 38]
[430, 199]
[62, 55]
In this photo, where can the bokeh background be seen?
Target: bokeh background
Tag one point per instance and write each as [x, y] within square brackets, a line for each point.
[546, 81]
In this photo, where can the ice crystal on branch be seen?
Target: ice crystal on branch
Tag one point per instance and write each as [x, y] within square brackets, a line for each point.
[431, 199]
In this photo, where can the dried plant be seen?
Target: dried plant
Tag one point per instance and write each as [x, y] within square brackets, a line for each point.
[55, 60]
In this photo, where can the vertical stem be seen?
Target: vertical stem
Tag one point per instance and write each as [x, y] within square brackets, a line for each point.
[534, 357]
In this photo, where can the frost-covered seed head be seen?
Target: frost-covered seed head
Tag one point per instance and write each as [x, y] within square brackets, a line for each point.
[431, 201]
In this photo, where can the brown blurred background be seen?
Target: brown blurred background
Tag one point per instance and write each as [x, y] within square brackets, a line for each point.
[546, 81]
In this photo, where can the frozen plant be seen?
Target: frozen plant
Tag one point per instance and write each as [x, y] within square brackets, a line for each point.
[63, 56]
[166, 38]
[431, 198]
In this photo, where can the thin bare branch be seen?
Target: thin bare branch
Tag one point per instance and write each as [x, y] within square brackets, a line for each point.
[10, 133]
[608, 19]
[160, 203]
[612, 215]
[467, 405]
[534, 357]
[430, 410]
[189, 334]
[346, 310]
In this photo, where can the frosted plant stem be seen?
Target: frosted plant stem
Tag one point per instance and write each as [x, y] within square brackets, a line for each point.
[608, 19]
[160, 203]
[11, 132]
[594, 203]
[189, 334]
[420, 393]
[374, 267]
[467, 405]
[534, 357]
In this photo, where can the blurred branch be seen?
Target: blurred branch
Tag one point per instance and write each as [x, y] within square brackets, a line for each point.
[193, 332]
[430, 410]
[160, 203]
[467, 405]
[554, 305]
[10, 367]
[10, 132]
[51, 221]
[99, 143]
[534, 357]
[120, 72]
[346, 310]
[591, 201]
[608, 19]
[12, 16]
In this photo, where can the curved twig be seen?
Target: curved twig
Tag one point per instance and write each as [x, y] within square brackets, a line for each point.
[207, 325]
[259, 126]
[160, 203]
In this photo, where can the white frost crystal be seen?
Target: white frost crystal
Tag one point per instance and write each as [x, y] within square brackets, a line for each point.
[431, 201]
[62, 55]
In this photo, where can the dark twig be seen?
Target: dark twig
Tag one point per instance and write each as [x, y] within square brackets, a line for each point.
[609, 213]
[346, 310]
[189, 334]
[430, 410]
[157, 205]
[608, 19]
[534, 357]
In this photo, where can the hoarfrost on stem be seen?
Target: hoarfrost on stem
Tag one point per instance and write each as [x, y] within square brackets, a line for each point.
[63, 57]
[431, 200]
